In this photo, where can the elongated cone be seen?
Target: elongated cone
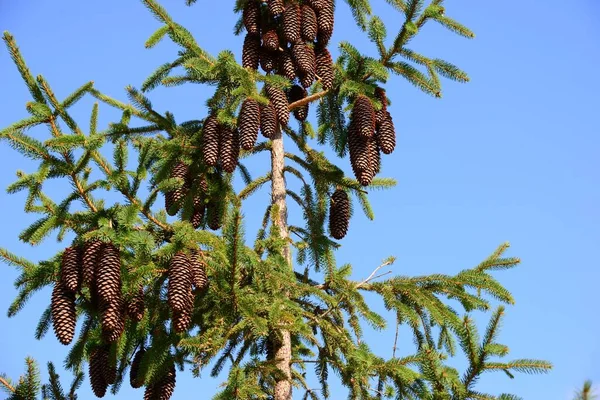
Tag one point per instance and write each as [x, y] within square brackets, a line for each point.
[268, 60]
[286, 65]
[309, 25]
[375, 155]
[135, 380]
[360, 155]
[113, 319]
[251, 51]
[108, 274]
[229, 147]
[109, 370]
[210, 141]
[382, 97]
[174, 198]
[339, 214]
[325, 22]
[386, 133]
[91, 251]
[182, 319]
[363, 114]
[275, 7]
[268, 121]
[96, 372]
[249, 123]
[215, 216]
[291, 23]
[307, 79]
[317, 5]
[324, 67]
[251, 17]
[62, 307]
[304, 57]
[198, 214]
[270, 40]
[199, 277]
[70, 270]
[280, 103]
[163, 389]
[179, 288]
[136, 306]
[298, 93]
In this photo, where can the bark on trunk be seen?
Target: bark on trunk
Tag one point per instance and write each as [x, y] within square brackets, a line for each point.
[283, 348]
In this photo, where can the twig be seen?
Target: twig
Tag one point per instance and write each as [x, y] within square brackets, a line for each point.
[308, 99]
[372, 276]
[6, 384]
[395, 339]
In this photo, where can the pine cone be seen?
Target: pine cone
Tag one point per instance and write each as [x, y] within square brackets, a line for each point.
[199, 277]
[268, 121]
[62, 307]
[317, 5]
[298, 93]
[309, 23]
[198, 213]
[386, 133]
[275, 7]
[163, 389]
[108, 369]
[382, 97]
[270, 40]
[375, 155]
[339, 214]
[251, 51]
[108, 274]
[325, 22]
[70, 271]
[249, 123]
[286, 65]
[268, 60]
[182, 320]
[210, 141]
[97, 364]
[229, 147]
[251, 17]
[215, 216]
[360, 156]
[91, 251]
[280, 103]
[291, 23]
[136, 306]
[113, 320]
[307, 79]
[363, 114]
[135, 380]
[325, 67]
[179, 288]
[174, 198]
[304, 57]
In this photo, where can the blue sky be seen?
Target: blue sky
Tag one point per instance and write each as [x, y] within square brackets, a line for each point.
[510, 156]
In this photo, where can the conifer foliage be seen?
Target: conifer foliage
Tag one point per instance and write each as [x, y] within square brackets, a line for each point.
[167, 288]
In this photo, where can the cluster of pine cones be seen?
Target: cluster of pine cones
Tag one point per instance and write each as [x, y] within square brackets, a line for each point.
[369, 133]
[174, 199]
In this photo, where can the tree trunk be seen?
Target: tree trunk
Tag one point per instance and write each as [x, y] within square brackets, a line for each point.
[283, 347]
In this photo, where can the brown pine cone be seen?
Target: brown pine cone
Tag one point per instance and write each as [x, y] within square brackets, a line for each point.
[210, 141]
[251, 51]
[280, 103]
[268, 121]
[339, 214]
[97, 365]
[199, 277]
[360, 155]
[298, 93]
[182, 320]
[62, 307]
[363, 114]
[135, 380]
[325, 67]
[291, 23]
[307, 79]
[113, 320]
[136, 306]
[270, 40]
[174, 198]
[108, 274]
[91, 251]
[268, 60]
[382, 97]
[198, 213]
[275, 7]
[309, 23]
[304, 58]
[179, 288]
[215, 216]
[386, 133]
[375, 155]
[317, 5]
[249, 123]
[251, 17]
[286, 65]
[70, 271]
[229, 147]
[163, 389]
[325, 22]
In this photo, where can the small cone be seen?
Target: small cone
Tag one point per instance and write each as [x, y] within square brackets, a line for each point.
[108, 274]
[360, 156]
[270, 40]
[210, 141]
[229, 147]
[286, 65]
[280, 103]
[325, 22]
[163, 389]
[325, 67]
[135, 380]
[298, 93]
[386, 133]
[249, 123]
[136, 306]
[215, 214]
[268, 121]
[268, 60]
[198, 215]
[174, 198]
[309, 25]
[291, 23]
[91, 251]
[375, 156]
[70, 271]
[275, 7]
[62, 307]
[96, 372]
[251, 17]
[199, 277]
[339, 214]
[363, 114]
[179, 288]
[251, 52]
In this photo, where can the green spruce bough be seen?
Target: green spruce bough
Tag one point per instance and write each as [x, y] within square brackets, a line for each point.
[158, 295]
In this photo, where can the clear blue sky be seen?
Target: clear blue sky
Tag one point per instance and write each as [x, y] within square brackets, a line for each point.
[511, 156]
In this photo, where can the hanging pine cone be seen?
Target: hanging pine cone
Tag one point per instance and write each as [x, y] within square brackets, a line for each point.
[251, 51]
[179, 288]
[268, 60]
[304, 57]
[268, 121]
[307, 79]
[325, 22]
[275, 7]
[339, 214]
[286, 65]
[309, 25]
[210, 141]
[135, 380]
[229, 147]
[199, 277]
[70, 269]
[325, 67]
[382, 97]
[163, 389]
[96, 372]
[363, 114]
[108, 274]
[198, 213]
[249, 123]
[251, 17]
[375, 155]
[270, 40]
[109, 370]
[135, 306]
[317, 5]
[174, 198]
[215, 216]
[113, 320]
[360, 156]
[291, 23]
[298, 93]
[386, 133]
[91, 250]
[182, 320]
[62, 307]
[280, 103]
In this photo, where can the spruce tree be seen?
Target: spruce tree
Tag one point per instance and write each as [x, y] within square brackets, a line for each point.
[165, 287]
